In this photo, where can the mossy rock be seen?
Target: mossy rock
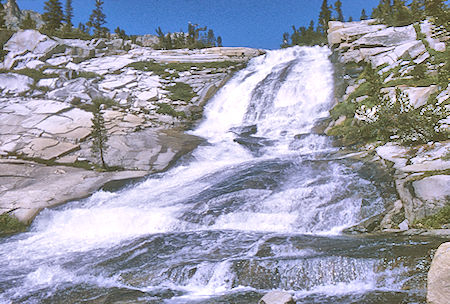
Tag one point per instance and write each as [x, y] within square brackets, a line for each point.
[9, 224]
[436, 221]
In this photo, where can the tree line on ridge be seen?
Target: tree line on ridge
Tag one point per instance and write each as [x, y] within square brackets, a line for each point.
[389, 12]
[58, 22]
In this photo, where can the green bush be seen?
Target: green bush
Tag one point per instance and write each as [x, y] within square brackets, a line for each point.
[180, 91]
[401, 121]
[87, 75]
[412, 82]
[160, 69]
[35, 74]
[10, 224]
[419, 71]
[346, 108]
[166, 109]
[392, 120]
[5, 35]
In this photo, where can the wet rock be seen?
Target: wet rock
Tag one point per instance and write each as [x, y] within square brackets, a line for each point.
[245, 131]
[253, 143]
[394, 216]
[277, 297]
[438, 289]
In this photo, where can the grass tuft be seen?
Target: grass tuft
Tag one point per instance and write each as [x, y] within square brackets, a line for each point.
[435, 221]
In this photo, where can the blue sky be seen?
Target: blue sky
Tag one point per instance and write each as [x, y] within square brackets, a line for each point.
[251, 23]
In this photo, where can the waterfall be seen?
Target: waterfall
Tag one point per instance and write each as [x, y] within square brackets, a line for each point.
[240, 215]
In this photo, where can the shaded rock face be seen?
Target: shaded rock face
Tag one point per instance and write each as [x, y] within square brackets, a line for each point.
[420, 183]
[47, 118]
[438, 289]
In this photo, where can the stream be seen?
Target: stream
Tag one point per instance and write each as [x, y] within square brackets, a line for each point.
[259, 206]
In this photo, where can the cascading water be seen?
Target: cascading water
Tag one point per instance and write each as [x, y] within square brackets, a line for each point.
[259, 207]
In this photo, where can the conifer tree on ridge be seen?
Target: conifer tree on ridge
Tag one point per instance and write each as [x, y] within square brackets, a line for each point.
[53, 16]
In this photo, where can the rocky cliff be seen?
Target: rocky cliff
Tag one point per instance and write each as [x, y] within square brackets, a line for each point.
[14, 15]
[413, 61]
[47, 90]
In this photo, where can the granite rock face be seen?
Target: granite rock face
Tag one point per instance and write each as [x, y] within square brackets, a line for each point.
[46, 117]
[396, 54]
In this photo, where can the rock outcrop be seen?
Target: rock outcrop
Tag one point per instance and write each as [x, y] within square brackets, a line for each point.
[421, 172]
[47, 89]
[14, 16]
[438, 289]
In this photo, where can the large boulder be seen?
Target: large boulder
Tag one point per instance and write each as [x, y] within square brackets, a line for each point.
[28, 45]
[434, 190]
[277, 297]
[438, 290]
[14, 83]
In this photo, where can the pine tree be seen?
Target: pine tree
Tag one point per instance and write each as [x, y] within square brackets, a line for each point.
[2, 16]
[53, 15]
[383, 11]
[350, 19]
[68, 15]
[28, 23]
[439, 10]
[401, 14]
[363, 15]
[99, 133]
[121, 33]
[210, 38]
[417, 8]
[338, 9]
[285, 40]
[324, 17]
[97, 19]
[219, 41]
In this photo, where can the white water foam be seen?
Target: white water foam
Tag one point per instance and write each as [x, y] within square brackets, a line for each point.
[282, 94]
